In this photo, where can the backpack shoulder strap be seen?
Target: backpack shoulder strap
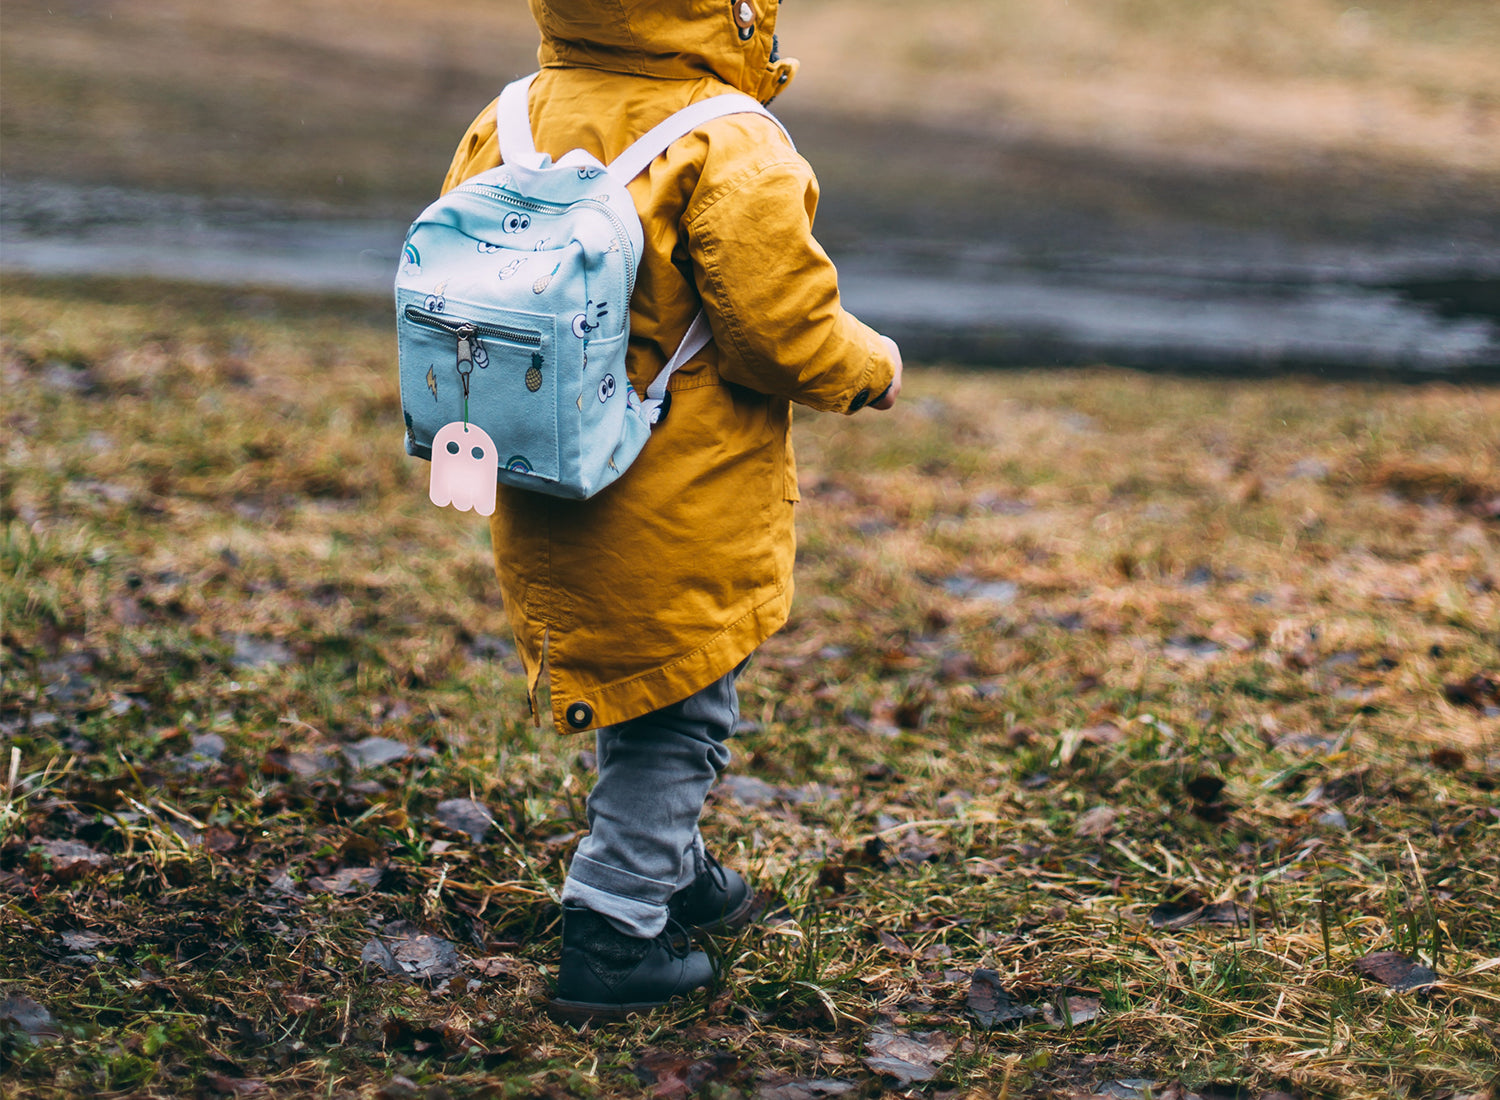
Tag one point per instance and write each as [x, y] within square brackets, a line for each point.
[513, 124]
[633, 161]
[518, 146]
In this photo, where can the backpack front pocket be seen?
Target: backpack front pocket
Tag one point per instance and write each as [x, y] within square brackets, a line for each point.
[482, 367]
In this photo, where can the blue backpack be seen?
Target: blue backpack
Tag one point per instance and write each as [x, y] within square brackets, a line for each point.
[513, 315]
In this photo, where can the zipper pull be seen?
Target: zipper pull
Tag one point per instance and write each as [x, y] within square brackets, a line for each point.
[465, 334]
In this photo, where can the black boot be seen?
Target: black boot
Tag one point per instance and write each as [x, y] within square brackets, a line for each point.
[718, 900]
[607, 975]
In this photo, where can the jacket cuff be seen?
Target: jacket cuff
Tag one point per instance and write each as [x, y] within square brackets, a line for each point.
[879, 377]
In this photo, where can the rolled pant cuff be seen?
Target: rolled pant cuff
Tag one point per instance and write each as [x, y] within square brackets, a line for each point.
[629, 915]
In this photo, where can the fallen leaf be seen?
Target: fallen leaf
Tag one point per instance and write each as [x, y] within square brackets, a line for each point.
[908, 1058]
[374, 752]
[424, 958]
[1175, 915]
[1129, 1088]
[1394, 969]
[377, 954]
[83, 941]
[1080, 1010]
[1227, 913]
[218, 839]
[346, 880]
[297, 1004]
[1100, 734]
[779, 1087]
[916, 848]
[464, 815]
[498, 966]
[66, 859]
[1096, 822]
[21, 1015]
[673, 1075]
[992, 1004]
[894, 944]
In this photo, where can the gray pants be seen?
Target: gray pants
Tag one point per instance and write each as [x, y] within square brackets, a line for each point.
[654, 773]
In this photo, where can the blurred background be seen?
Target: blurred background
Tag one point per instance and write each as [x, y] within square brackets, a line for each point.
[1222, 185]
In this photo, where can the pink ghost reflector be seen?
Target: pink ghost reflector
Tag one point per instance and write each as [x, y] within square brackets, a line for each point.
[465, 465]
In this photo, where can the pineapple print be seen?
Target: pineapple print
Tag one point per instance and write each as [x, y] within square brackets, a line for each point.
[534, 375]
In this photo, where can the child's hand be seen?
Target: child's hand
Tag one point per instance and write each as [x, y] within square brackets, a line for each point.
[888, 398]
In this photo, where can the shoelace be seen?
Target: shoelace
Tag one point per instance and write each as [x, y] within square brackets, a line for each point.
[716, 869]
[676, 939]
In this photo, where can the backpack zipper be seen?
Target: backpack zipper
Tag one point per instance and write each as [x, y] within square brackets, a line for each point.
[467, 333]
[537, 206]
[454, 327]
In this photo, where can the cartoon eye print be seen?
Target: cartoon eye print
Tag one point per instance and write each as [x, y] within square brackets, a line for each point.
[511, 268]
[590, 173]
[479, 357]
[436, 303]
[606, 388]
[582, 326]
[516, 222]
[485, 248]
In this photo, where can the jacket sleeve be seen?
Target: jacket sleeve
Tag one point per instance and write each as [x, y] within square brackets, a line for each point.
[772, 296]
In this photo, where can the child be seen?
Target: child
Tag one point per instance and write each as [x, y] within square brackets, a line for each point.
[644, 602]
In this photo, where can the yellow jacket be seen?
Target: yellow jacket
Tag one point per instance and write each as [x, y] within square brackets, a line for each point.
[666, 580]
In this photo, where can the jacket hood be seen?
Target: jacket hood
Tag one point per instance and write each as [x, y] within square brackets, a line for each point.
[732, 40]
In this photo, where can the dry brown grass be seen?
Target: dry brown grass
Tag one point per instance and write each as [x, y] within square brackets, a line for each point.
[1228, 82]
[1074, 652]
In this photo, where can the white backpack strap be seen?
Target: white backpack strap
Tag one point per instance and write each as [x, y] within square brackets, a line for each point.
[517, 146]
[697, 338]
[633, 161]
[513, 124]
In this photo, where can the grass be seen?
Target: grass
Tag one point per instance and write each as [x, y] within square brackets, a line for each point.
[1074, 654]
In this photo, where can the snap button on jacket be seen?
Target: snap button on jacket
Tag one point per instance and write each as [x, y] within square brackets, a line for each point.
[642, 595]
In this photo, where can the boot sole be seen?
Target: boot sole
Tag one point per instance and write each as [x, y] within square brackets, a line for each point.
[581, 1012]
